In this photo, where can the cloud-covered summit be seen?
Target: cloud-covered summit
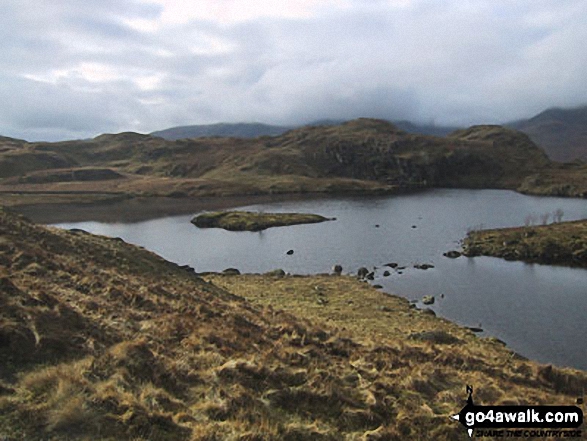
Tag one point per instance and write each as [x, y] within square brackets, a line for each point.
[72, 69]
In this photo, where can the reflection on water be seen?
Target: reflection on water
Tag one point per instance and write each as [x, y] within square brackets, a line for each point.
[538, 310]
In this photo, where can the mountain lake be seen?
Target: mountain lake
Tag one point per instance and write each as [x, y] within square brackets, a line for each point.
[538, 310]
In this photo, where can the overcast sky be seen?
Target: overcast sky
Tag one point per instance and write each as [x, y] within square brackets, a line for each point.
[74, 69]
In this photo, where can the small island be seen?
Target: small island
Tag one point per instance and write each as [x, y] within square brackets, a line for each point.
[253, 221]
[561, 243]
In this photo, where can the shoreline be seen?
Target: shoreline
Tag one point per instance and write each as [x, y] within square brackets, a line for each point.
[137, 209]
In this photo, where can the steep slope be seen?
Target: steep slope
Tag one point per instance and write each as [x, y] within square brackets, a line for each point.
[562, 133]
[102, 340]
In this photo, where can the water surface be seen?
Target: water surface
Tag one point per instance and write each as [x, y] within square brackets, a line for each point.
[538, 310]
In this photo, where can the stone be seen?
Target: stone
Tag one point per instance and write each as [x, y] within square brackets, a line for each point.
[440, 337]
[428, 300]
[290, 252]
[337, 269]
[423, 266]
[276, 273]
[231, 272]
[391, 265]
[362, 272]
[386, 273]
[453, 254]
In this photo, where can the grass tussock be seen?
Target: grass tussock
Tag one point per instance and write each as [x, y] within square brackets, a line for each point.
[113, 342]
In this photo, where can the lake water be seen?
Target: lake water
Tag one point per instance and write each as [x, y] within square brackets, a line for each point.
[538, 310]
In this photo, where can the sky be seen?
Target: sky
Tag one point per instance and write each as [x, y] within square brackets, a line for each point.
[73, 69]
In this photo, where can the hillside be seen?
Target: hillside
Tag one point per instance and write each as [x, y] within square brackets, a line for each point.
[253, 130]
[362, 155]
[562, 133]
[103, 340]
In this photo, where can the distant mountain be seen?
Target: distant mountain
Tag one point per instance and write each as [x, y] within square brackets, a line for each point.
[425, 129]
[253, 130]
[562, 133]
[237, 130]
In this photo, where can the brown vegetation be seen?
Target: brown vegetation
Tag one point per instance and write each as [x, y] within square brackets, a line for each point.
[103, 340]
[363, 155]
[561, 243]
[249, 221]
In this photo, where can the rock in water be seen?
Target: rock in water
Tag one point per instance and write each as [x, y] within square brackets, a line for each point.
[428, 300]
[290, 252]
[362, 272]
[337, 269]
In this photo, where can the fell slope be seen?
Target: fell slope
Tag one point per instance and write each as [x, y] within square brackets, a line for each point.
[101, 340]
[363, 155]
[562, 133]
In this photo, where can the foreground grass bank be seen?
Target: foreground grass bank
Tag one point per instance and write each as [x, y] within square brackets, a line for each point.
[562, 243]
[102, 340]
[253, 221]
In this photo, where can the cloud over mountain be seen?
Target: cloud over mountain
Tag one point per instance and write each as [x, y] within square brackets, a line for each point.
[73, 69]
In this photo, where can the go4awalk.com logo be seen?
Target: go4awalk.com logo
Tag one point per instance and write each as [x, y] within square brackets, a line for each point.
[520, 421]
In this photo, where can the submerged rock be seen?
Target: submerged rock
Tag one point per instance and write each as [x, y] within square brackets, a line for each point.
[423, 266]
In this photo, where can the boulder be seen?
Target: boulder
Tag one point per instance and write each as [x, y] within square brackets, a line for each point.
[391, 265]
[386, 273]
[337, 269]
[428, 300]
[231, 272]
[290, 252]
[276, 273]
[362, 272]
[453, 254]
[441, 337]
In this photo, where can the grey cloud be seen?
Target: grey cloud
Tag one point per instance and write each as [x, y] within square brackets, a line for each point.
[452, 62]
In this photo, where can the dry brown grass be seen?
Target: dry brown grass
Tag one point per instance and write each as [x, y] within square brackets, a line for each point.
[102, 340]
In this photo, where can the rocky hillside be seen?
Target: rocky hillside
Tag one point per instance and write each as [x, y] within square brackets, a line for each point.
[562, 133]
[360, 155]
[102, 340]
